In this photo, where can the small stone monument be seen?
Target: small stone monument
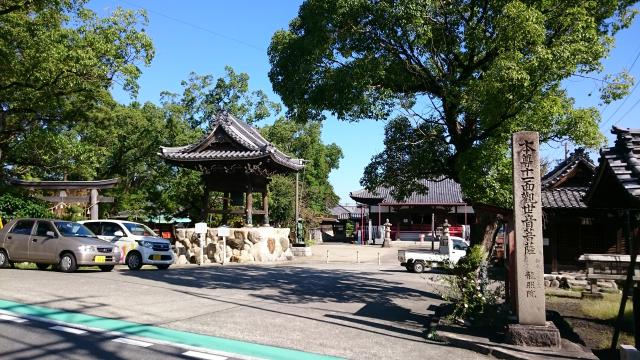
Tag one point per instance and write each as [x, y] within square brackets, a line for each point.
[532, 328]
[387, 234]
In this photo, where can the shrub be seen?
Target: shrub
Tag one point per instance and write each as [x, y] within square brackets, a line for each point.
[469, 290]
[15, 205]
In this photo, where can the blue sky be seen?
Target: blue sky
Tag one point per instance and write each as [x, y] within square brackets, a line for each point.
[203, 36]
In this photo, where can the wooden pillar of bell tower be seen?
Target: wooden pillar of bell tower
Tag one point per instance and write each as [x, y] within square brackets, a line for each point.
[249, 204]
[225, 208]
[265, 207]
[204, 213]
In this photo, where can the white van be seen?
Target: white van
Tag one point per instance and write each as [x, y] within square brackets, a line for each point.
[139, 244]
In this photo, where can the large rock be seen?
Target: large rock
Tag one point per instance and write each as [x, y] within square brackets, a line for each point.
[267, 250]
[284, 242]
[182, 260]
[288, 254]
[240, 235]
[254, 236]
[211, 250]
[578, 284]
[252, 244]
[235, 243]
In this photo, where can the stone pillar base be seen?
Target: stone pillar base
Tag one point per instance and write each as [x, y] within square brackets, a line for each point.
[533, 335]
[301, 251]
[592, 295]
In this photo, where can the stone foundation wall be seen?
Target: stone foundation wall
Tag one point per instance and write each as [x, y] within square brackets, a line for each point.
[246, 244]
[578, 282]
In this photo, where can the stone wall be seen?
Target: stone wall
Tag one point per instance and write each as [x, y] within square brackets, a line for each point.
[578, 282]
[246, 244]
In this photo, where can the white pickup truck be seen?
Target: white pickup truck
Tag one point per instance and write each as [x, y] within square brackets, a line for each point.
[418, 260]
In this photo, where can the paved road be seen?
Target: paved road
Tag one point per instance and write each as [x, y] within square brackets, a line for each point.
[22, 338]
[356, 311]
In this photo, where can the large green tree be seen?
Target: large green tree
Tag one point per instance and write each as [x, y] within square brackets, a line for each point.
[58, 61]
[453, 78]
[129, 138]
[303, 141]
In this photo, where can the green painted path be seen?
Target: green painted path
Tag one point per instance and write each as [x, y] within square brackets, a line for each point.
[162, 334]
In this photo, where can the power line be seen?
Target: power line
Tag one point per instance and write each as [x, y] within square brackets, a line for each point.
[628, 111]
[198, 27]
[634, 60]
[629, 95]
[622, 104]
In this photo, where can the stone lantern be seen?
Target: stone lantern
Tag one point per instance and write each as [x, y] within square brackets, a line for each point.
[387, 234]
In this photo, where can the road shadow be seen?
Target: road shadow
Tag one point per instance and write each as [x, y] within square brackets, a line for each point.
[289, 284]
[298, 285]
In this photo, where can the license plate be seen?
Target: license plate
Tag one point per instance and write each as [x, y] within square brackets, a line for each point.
[100, 259]
[157, 257]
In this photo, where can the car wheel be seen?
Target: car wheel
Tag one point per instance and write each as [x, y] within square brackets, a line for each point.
[4, 259]
[418, 267]
[106, 268]
[42, 266]
[163, 266]
[68, 263]
[134, 260]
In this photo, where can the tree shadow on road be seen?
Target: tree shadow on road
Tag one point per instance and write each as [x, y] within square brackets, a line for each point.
[290, 284]
[298, 285]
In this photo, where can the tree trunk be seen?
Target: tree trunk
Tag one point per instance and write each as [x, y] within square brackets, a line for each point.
[485, 231]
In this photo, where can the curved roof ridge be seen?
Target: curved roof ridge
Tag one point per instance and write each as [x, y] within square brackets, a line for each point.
[578, 156]
[252, 145]
[237, 131]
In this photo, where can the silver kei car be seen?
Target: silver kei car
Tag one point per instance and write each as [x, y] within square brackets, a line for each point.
[46, 242]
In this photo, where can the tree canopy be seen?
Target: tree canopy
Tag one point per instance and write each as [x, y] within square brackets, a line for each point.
[58, 61]
[454, 79]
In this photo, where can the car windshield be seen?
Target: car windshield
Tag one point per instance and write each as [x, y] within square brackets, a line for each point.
[68, 228]
[139, 229]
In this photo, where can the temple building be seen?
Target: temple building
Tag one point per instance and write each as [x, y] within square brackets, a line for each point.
[586, 207]
[570, 227]
[417, 215]
[234, 159]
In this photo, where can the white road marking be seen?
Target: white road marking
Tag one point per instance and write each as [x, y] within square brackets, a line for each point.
[195, 349]
[199, 355]
[12, 318]
[132, 342]
[68, 329]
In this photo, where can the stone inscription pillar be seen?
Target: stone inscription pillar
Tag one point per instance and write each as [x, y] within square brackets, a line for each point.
[527, 209]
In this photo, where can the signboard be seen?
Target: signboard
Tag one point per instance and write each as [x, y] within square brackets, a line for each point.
[201, 228]
[527, 209]
[223, 231]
